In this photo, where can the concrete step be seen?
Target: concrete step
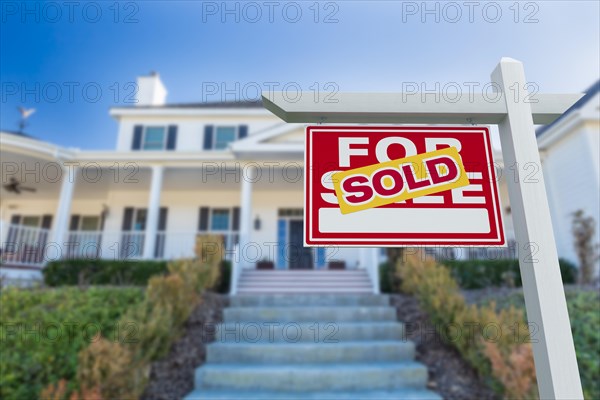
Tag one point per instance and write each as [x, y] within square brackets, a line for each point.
[396, 394]
[303, 290]
[306, 272]
[309, 314]
[300, 285]
[324, 332]
[319, 284]
[312, 377]
[308, 278]
[324, 282]
[309, 353]
[310, 300]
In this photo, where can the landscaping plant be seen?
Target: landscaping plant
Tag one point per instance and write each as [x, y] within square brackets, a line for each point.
[584, 234]
[156, 322]
[43, 330]
[491, 356]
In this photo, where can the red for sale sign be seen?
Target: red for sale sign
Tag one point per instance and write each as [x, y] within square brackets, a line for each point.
[401, 186]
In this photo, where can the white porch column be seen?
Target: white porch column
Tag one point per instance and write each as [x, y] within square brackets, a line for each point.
[63, 211]
[248, 175]
[153, 211]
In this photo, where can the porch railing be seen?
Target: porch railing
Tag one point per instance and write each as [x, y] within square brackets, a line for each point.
[30, 246]
[24, 245]
[99, 244]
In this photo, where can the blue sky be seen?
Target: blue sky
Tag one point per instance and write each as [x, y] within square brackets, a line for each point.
[367, 46]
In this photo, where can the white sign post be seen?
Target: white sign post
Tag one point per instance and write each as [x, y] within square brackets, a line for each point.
[515, 114]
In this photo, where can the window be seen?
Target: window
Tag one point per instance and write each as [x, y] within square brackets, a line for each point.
[219, 219]
[32, 222]
[89, 223]
[139, 220]
[224, 135]
[154, 138]
[290, 212]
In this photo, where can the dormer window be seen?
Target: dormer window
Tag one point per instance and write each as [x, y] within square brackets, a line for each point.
[225, 135]
[154, 138]
[219, 137]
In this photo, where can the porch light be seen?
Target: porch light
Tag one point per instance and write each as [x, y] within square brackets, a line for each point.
[257, 223]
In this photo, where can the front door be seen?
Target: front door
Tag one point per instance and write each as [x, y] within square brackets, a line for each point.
[300, 257]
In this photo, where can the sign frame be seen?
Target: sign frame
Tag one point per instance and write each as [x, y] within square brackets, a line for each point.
[545, 301]
[499, 239]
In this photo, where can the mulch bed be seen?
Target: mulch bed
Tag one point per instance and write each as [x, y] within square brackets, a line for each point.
[173, 377]
[449, 375]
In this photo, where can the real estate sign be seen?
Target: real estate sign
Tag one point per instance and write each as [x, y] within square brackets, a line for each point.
[401, 186]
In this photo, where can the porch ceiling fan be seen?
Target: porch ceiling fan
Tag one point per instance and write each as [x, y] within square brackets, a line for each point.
[14, 186]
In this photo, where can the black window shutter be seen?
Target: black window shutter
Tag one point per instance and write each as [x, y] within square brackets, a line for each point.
[10, 245]
[235, 223]
[138, 131]
[203, 220]
[242, 131]
[74, 225]
[46, 221]
[172, 137]
[162, 219]
[208, 137]
[127, 219]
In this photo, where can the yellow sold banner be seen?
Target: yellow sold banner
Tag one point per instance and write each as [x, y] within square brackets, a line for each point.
[397, 180]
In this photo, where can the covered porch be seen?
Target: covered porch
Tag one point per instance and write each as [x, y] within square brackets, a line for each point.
[125, 210]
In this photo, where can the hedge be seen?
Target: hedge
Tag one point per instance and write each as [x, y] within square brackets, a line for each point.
[39, 340]
[584, 313]
[102, 272]
[478, 274]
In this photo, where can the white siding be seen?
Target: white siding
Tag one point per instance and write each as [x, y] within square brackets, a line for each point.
[190, 133]
[571, 177]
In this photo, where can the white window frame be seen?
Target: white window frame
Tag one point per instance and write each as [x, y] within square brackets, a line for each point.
[214, 141]
[164, 142]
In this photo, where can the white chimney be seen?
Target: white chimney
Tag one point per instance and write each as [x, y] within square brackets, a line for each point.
[151, 91]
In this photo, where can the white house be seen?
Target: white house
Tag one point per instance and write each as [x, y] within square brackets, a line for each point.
[234, 169]
[570, 152]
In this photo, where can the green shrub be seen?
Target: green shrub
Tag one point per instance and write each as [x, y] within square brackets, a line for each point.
[224, 284]
[102, 272]
[158, 321]
[385, 278]
[29, 363]
[507, 364]
[584, 313]
[478, 274]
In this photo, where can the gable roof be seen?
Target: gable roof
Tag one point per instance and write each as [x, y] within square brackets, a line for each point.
[17, 133]
[259, 142]
[589, 94]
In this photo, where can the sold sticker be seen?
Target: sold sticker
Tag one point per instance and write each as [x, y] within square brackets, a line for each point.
[398, 180]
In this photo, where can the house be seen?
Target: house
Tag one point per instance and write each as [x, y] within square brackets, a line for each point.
[570, 153]
[180, 170]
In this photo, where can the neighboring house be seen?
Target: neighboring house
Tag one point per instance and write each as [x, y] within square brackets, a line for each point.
[570, 152]
[180, 170]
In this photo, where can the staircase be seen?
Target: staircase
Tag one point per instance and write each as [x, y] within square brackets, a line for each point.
[310, 346]
[254, 281]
